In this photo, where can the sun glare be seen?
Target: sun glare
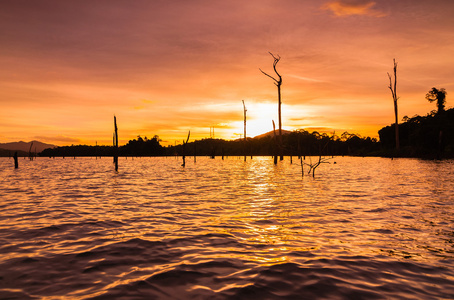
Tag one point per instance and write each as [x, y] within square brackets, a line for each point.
[259, 118]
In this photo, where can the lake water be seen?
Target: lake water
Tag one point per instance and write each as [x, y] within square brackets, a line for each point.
[363, 228]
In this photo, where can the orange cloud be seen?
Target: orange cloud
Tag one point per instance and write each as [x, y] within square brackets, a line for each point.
[353, 7]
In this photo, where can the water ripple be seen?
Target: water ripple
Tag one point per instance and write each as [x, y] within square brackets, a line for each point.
[226, 229]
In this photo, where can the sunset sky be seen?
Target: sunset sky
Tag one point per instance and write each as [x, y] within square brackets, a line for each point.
[165, 67]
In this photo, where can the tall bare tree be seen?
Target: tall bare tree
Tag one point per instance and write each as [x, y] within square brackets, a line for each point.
[278, 83]
[244, 110]
[393, 87]
[115, 144]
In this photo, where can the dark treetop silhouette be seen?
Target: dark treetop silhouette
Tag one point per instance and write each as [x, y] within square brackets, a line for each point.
[439, 96]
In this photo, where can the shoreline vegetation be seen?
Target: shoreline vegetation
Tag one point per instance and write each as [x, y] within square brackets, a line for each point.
[296, 143]
[429, 137]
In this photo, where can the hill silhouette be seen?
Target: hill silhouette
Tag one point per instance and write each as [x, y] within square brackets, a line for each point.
[25, 146]
[271, 134]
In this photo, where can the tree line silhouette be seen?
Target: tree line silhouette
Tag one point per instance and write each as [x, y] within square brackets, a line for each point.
[295, 143]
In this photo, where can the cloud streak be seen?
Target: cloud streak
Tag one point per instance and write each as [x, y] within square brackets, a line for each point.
[306, 78]
[342, 8]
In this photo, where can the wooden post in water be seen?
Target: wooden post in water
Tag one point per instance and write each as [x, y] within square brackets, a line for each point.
[195, 152]
[115, 144]
[213, 152]
[16, 163]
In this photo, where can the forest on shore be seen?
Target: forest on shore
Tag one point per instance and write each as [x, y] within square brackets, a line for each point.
[299, 142]
[429, 136]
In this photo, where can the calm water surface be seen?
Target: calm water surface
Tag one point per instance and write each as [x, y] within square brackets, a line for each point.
[363, 228]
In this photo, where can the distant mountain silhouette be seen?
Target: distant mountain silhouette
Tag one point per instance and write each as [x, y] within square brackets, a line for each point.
[25, 146]
[270, 133]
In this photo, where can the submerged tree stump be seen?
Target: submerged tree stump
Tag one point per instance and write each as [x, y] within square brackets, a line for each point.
[16, 163]
[184, 146]
[275, 144]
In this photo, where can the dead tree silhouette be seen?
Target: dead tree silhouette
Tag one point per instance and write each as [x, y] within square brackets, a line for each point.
[395, 98]
[278, 83]
[115, 144]
[244, 110]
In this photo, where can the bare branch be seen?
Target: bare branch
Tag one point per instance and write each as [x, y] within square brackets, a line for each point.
[390, 86]
[275, 57]
[276, 60]
[395, 79]
[269, 76]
